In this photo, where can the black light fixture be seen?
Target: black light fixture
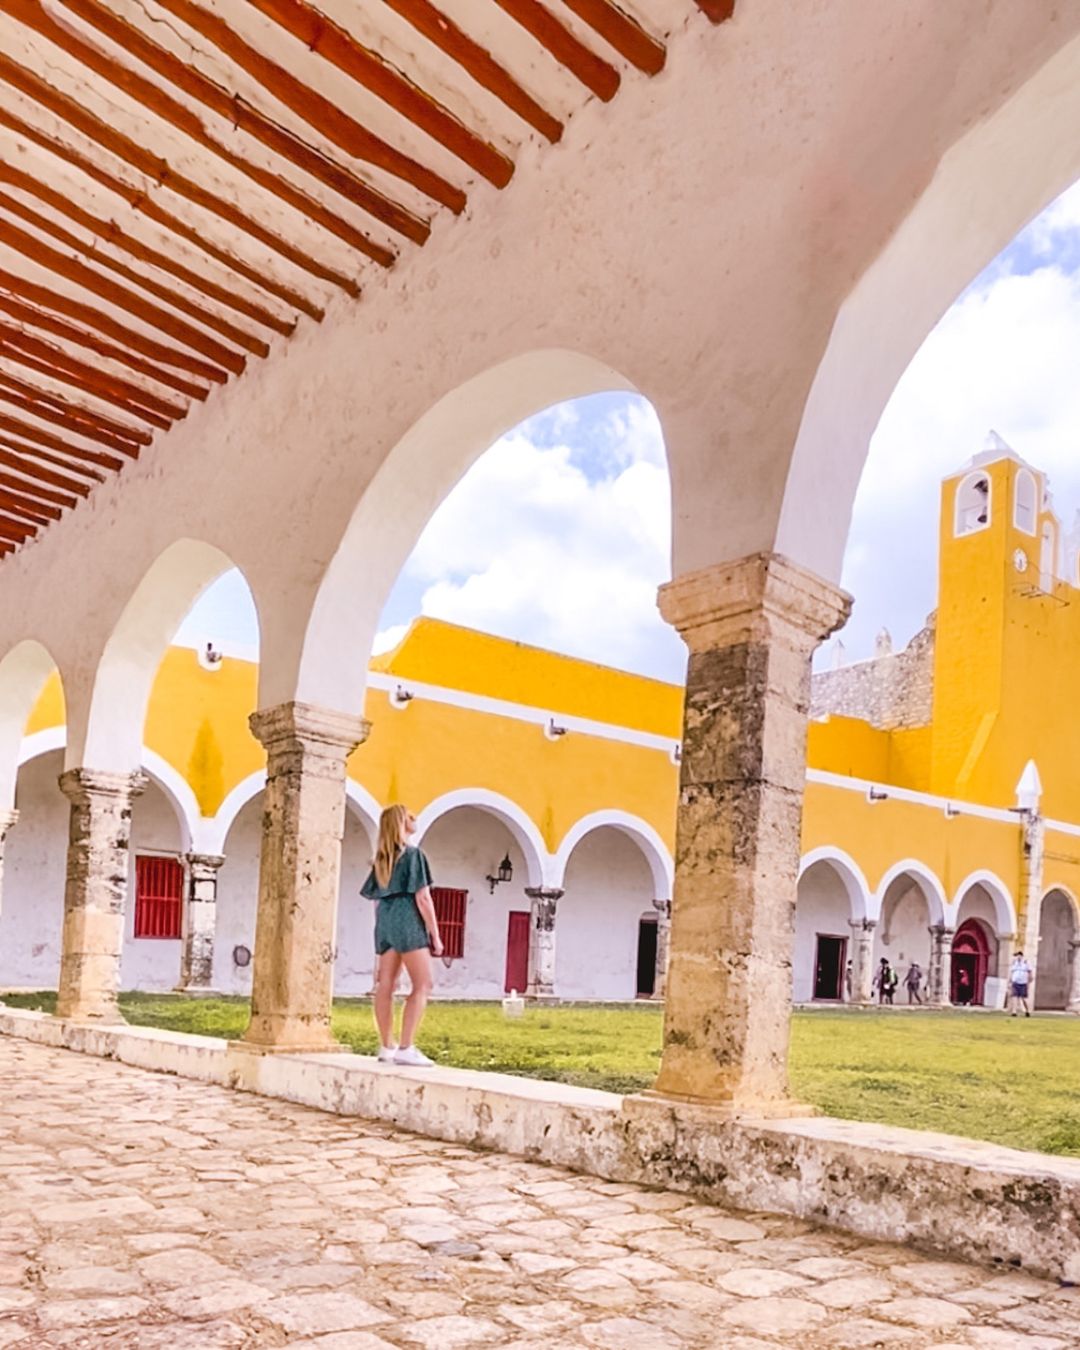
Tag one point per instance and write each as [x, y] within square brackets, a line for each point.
[505, 872]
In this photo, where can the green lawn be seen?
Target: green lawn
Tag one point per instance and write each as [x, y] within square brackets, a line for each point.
[1012, 1081]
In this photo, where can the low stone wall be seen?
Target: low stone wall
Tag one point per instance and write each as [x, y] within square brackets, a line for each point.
[958, 1197]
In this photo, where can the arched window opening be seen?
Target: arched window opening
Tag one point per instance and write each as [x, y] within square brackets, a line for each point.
[1024, 509]
[973, 504]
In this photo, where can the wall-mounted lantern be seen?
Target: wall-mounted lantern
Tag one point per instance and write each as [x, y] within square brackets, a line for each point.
[505, 872]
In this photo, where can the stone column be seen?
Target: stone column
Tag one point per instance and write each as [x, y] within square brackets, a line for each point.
[200, 922]
[751, 628]
[303, 822]
[940, 974]
[663, 946]
[95, 892]
[862, 960]
[1032, 853]
[1072, 1002]
[542, 904]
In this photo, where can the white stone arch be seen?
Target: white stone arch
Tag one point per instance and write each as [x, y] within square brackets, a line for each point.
[640, 831]
[214, 830]
[850, 873]
[1025, 502]
[108, 733]
[1004, 908]
[518, 822]
[973, 509]
[931, 888]
[955, 229]
[1069, 895]
[364, 806]
[410, 484]
[24, 672]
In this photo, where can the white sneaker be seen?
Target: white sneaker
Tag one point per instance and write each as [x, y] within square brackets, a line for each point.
[387, 1053]
[412, 1058]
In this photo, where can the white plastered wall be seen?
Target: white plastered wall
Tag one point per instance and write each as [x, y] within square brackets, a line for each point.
[608, 886]
[822, 907]
[35, 864]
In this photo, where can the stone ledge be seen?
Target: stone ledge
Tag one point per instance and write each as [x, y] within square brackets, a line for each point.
[965, 1199]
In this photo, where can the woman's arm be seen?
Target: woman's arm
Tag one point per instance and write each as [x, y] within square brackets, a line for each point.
[426, 906]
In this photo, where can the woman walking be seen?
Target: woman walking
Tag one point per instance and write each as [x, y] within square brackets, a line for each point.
[406, 933]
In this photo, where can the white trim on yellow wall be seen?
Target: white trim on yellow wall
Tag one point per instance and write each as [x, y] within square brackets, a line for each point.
[642, 833]
[538, 861]
[849, 872]
[936, 901]
[899, 794]
[1004, 906]
[521, 712]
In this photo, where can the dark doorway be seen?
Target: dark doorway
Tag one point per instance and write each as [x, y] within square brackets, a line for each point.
[517, 951]
[646, 958]
[829, 967]
[970, 962]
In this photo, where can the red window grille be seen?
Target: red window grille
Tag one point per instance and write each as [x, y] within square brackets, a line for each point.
[159, 897]
[450, 906]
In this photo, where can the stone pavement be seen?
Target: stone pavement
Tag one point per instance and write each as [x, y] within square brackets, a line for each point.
[141, 1211]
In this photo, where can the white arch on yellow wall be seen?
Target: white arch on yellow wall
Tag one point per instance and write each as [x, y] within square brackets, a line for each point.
[640, 831]
[924, 878]
[363, 805]
[1004, 909]
[214, 830]
[850, 873]
[1068, 894]
[527, 837]
[171, 782]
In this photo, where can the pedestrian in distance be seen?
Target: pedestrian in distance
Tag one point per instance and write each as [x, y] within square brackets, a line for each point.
[1019, 982]
[847, 982]
[881, 981]
[406, 934]
[913, 983]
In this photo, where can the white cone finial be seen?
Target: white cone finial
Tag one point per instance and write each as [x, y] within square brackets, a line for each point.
[1029, 788]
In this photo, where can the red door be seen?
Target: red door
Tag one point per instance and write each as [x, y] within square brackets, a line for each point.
[517, 950]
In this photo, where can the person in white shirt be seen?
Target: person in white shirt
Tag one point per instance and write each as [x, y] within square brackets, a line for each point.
[1019, 981]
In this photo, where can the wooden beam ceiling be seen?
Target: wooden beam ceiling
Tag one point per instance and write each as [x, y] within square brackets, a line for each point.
[182, 183]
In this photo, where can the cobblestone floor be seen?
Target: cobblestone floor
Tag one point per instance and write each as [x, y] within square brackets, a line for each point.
[143, 1211]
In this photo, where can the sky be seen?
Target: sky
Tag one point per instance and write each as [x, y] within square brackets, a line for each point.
[560, 533]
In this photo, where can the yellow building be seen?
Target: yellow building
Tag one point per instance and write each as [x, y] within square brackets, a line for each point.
[917, 846]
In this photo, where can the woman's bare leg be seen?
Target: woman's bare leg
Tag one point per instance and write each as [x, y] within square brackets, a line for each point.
[386, 974]
[418, 964]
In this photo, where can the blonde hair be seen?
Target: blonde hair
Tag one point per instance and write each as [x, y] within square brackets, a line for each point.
[391, 842]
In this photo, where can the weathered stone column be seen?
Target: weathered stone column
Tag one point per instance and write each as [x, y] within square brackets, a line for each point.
[1032, 855]
[7, 819]
[543, 901]
[299, 868]
[862, 960]
[200, 922]
[751, 627]
[940, 973]
[663, 946]
[95, 892]
[1072, 1002]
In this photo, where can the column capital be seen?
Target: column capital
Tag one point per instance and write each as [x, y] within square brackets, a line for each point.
[209, 863]
[7, 819]
[80, 785]
[862, 925]
[544, 902]
[663, 908]
[552, 893]
[751, 598]
[308, 725]
[941, 931]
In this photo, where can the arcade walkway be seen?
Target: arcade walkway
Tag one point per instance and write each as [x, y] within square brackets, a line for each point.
[140, 1211]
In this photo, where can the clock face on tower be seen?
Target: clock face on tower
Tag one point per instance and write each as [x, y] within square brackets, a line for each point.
[1020, 560]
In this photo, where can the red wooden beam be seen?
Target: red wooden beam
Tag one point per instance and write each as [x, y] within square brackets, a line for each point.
[717, 10]
[229, 105]
[35, 513]
[49, 323]
[15, 531]
[120, 430]
[593, 72]
[53, 299]
[35, 354]
[622, 32]
[26, 431]
[27, 487]
[69, 417]
[477, 61]
[85, 386]
[91, 280]
[320, 34]
[138, 200]
[27, 466]
[159, 171]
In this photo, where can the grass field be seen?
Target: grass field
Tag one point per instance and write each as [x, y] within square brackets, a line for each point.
[1011, 1081]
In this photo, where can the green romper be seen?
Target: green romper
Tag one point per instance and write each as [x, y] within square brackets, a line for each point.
[398, 925]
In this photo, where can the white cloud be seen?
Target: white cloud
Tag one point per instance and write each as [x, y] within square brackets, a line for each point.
[558, 546]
